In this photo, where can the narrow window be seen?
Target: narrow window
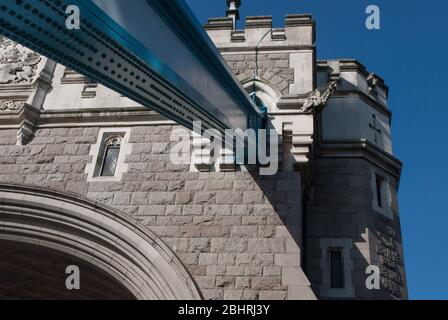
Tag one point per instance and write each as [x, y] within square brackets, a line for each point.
[110, 157]
[379, 186]
[336, 269]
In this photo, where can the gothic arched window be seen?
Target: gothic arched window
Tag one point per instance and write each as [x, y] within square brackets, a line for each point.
[110, 156]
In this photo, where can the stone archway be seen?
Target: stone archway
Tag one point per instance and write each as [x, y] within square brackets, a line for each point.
[112, 246]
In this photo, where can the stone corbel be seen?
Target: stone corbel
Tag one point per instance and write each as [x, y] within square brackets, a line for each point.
[202, 153]
[89, 90]
[296, 146]
[28, 118]
[227, 160]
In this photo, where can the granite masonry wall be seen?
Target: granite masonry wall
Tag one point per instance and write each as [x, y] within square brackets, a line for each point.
[272, 67]
[340, 206]
[238, 234]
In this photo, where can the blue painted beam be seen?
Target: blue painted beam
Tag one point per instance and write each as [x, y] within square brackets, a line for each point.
[152, 51]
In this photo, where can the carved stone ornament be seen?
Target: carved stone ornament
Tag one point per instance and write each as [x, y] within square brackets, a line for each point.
[11, 105]
[318, 99]
[18, 64]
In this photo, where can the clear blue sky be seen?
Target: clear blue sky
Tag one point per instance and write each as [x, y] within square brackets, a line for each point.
[410, 52]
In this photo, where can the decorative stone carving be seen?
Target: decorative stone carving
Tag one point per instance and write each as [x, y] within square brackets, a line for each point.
[372, 82]
[317, 99]
[18, 64]
[11, 105]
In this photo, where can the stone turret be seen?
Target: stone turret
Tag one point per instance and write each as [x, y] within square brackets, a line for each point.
[232, 11]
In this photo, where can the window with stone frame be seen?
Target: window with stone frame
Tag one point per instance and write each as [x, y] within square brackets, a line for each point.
[110, 156]
[336, 264]
[382, 193]
[336, 268]
[379, 186]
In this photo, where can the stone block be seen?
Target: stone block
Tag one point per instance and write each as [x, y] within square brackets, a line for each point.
[272, 271]
[246, 259]
[194, 185]
[294, 276]
[272, 295]
[267, 245]
[253, 197]
[244, 232]
[235, 270]
[233, 294]
[205, 197]
[213, 294]
[288, 259]
[267, 283]
[229, 197]
[228, 245]
[140, 198]
[173, 210]
[214, 185]
[226, 258]
[300, 293]
[225, 282]
[161, 198]
[190, 210]
[208, 259]
[199, 245]
[122, 198]
[215, 231]
[266, 232]
[206, 282]
[216, 270]
[253, 271]
[183, 197]
[242, 282]
[216, 210]
[265, 259]
[154, 186]
[190, 231]
[242, 210]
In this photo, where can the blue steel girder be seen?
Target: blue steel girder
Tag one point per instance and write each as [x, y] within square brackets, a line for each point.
[153, 51]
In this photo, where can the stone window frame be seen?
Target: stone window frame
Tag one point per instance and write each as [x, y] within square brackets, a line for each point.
[386, 208]
[97, 153]
[345, 245]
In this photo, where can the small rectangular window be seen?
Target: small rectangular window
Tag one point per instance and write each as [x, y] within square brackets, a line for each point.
[336, 269]
[379, 190]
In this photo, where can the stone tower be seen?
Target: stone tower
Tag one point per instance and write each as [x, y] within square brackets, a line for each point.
[350, 175]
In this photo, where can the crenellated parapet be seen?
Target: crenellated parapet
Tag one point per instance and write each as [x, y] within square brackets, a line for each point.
[298, 31]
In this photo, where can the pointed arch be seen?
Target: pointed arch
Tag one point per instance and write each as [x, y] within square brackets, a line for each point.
[264, 90]
[109, 240]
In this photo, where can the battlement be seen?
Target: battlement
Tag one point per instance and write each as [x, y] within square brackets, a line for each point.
[353, 75]
[299, 30]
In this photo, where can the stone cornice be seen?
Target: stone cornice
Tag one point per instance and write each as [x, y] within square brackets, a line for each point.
[87, 117]
[250, 49]
[361, 148]
[366, 98]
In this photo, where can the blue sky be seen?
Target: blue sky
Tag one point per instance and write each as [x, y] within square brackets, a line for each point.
[410, 53]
